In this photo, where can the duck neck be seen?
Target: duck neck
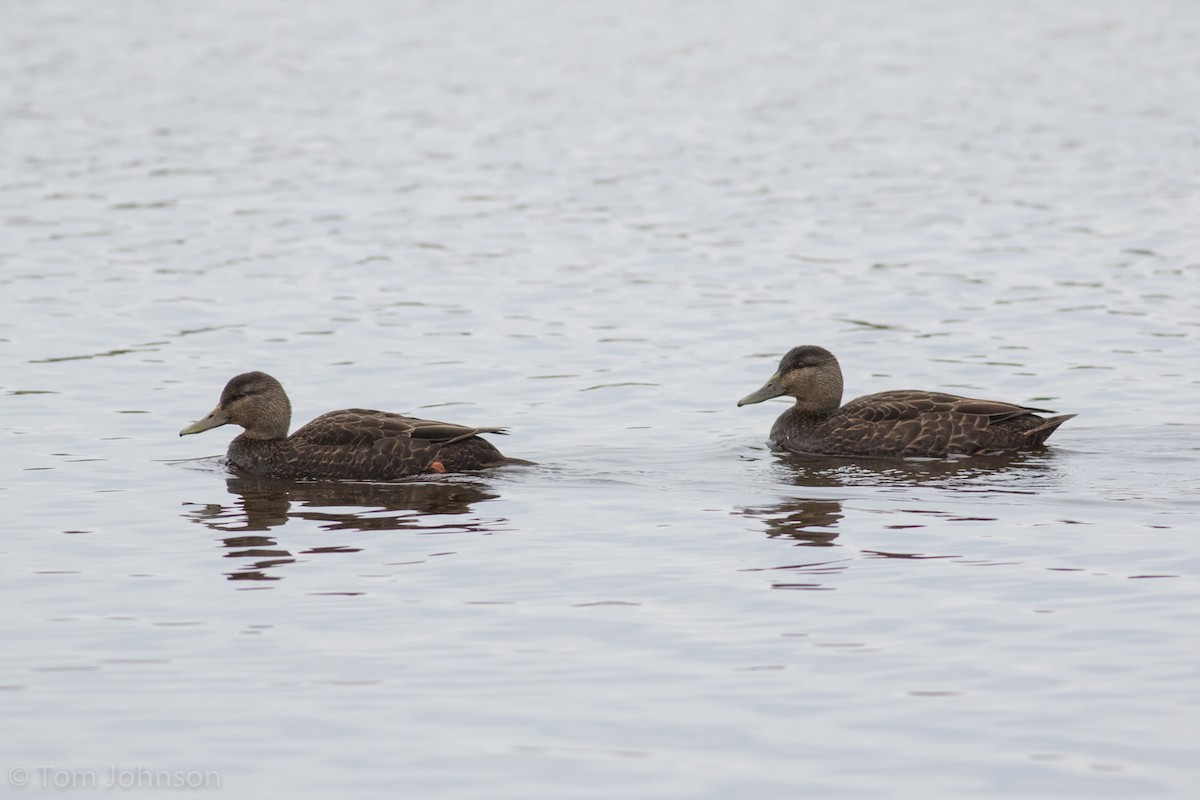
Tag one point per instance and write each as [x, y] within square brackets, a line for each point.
[264, 435]
[809, 408]
[275, 431]
[272, 420]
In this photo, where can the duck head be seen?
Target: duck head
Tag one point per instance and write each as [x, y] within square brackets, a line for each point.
[808, 373]
[254, 400]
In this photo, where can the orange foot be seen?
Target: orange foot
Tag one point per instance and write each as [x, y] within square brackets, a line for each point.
[437, 466]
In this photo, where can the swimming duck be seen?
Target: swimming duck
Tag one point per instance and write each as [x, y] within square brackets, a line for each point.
[899, 423]
[354, 443]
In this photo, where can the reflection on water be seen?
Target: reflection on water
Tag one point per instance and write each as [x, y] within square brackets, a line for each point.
[812, 519]
[807, 521]
[261, 504]
[1023, 473]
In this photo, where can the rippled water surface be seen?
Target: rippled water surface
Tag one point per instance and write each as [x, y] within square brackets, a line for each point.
[600, 225]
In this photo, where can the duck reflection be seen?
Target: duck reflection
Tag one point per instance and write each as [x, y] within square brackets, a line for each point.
[1024, 472]
[810, 514]
[261, 504]
[806, 521]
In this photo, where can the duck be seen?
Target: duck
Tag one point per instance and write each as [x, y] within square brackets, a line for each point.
[353, 443]
[900, 423]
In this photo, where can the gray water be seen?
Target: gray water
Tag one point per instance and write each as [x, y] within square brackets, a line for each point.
[599, 225]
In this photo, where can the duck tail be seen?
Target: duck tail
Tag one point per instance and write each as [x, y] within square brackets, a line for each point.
[515, 462]
[1041, 433]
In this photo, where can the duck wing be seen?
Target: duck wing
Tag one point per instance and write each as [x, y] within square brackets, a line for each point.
[904, 404]
[446, 432]
[364, 427]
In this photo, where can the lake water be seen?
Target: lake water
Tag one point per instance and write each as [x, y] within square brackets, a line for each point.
[599, 225]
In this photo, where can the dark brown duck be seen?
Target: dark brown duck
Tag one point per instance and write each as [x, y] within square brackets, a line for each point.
[905, 422]
[354, 443]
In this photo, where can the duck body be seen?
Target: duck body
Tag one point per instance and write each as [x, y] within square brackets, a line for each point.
[909, 422]
[900, 423]
[363, 444]
[354, 443]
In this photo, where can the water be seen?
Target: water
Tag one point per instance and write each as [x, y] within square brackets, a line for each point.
[600, 227]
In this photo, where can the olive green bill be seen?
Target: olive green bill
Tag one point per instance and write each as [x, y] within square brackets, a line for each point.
[772, 388]
[215, 419]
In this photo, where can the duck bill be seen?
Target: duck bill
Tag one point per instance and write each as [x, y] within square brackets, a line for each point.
[214, 420]
[772, 388]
